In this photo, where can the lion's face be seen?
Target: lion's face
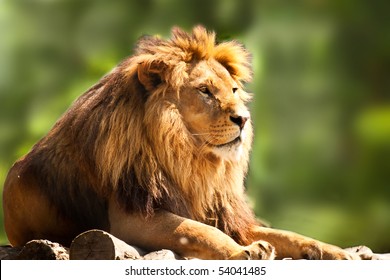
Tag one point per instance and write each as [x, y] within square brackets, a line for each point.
[213, 110]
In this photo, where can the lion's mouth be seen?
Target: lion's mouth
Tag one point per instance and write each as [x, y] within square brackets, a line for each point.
[228, 144]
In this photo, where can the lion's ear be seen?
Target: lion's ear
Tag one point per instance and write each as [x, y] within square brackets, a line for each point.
[150, 73]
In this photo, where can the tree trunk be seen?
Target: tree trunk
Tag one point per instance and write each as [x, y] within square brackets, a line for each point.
[43, 250]
[100, 245]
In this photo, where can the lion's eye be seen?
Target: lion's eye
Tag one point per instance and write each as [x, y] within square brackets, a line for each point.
[204, 91]
[234, 89]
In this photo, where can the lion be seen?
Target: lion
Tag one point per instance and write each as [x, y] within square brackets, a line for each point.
[156, 154]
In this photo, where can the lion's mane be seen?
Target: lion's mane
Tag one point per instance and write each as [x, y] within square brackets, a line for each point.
[122, 137]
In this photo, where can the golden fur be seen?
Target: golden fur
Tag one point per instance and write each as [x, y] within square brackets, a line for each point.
[156, 153]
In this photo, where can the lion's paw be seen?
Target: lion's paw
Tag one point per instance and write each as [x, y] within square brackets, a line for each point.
[363, 252]
[259, 250]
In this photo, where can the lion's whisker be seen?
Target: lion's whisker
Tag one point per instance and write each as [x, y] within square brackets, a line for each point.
[196, 134]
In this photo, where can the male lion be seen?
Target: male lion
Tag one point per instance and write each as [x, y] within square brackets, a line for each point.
[156, 154]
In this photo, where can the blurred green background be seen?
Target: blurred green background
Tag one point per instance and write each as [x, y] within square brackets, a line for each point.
[321, 158]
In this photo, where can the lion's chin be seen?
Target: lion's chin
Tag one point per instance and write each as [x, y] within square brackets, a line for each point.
[235, 141]
[231, 151]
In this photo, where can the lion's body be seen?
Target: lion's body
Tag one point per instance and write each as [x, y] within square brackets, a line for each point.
[160, 146]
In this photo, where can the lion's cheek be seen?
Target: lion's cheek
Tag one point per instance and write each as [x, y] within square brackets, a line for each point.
[196, 123]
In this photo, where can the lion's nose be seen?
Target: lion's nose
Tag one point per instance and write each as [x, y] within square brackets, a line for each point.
[239, 120]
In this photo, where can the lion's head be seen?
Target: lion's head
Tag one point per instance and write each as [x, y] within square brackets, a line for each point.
[202, 80]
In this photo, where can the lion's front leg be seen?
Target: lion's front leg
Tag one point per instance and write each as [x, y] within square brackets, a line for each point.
[186, 237]
[292, 245]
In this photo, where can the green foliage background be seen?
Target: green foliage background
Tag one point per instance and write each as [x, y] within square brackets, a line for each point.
[321, 158]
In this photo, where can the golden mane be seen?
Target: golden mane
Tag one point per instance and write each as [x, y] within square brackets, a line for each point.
[200, 45]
